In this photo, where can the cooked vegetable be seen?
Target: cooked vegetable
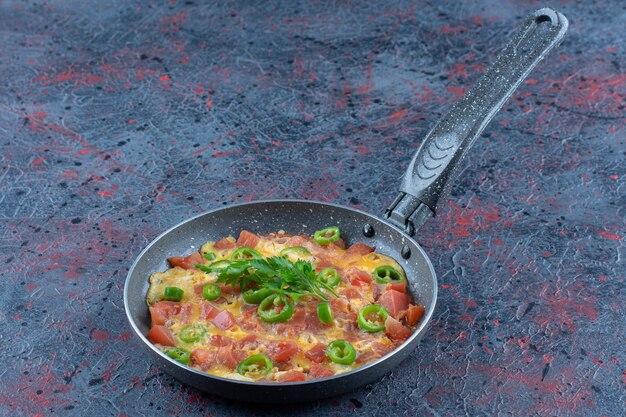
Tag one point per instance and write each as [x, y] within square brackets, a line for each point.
[276, 308]
[326, 236]
[173, 294]
[372, 318]
[245, 253]
[256, 295]
[255, 366]
[324, 313]
[295, 249]
[209, 256]
[211, 292]
[192, 333]
[341, 352]
[387, 274]
[329, 276]
[178, 354]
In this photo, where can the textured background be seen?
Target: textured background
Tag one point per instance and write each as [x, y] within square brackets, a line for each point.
[120, 119]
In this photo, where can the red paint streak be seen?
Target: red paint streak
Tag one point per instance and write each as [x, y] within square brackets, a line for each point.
[209, 103]
[83, 152]
[363, 150]
[164, 78]
[447, 29]
[100, 335]
[399, 113]
[457, 91]
[547, 358]
[31, 287]
[78, 77]
[610, 235]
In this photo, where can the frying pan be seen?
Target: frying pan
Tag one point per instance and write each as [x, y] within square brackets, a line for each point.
[424, 187]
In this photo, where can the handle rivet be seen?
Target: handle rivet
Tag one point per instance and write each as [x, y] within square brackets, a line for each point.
[405, 252]
[368, 230]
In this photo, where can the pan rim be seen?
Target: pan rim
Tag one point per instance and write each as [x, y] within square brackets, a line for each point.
[421, 328]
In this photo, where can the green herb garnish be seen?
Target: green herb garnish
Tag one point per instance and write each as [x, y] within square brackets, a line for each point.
[278, 274]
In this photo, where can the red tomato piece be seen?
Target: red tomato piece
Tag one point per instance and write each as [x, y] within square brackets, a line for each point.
[204, 358]
[185, 313]
[317, 353]
[352, 293]
[225, 243]
[207, 310]
[248, 239]
[219, 341]
[224, 320]
[227, 356]
[187, 262]
[249, 342]
[297, 241]
[160, 335]
[414, 314]
[396, 330]
[357, 277]
[283, 351]
[319, 371]
[398, 286]
[291, 376]
[394, 301]
[360, 249]
[162, 311]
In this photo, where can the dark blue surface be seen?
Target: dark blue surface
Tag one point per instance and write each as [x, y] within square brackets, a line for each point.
[121, 119]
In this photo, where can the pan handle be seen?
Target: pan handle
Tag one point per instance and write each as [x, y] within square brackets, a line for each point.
[428, 179]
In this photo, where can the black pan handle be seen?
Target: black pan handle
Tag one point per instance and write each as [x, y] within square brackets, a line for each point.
[428, 179]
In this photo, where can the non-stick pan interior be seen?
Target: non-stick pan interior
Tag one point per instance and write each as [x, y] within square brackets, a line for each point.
[293, 217]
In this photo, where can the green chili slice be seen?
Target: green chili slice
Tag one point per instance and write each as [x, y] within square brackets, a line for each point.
[387, 274]
[326, 236]
[256, 295]
[372, 318]
[211, 292]
[209, 256]
[341, 352]
[192, 333]
[178, 354]
[255, 366]
[245, 252]
[173, 294]
[275, 308]
[295, 249]
[329, 276]
[324, 313]
[214, 267]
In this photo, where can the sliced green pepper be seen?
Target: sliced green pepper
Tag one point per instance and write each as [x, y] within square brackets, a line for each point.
[326, 236]
[387, 274]
[276, 308]
[255, 366]
[295, 249]
[173, 294]
[211, 292]
[179, 355]
[329, 276]
[341, 352]
[256, 295]
[209, 256]
[192, 333]
[372, 318]
[245, 252]
[324, 313]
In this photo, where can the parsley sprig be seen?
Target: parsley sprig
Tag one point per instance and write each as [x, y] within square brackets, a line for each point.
[294, 279]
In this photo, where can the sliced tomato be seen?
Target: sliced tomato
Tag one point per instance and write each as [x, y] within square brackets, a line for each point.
[398, 286]
[396, 330]
[225, 243]
[283, 351]
[248, 319]
[291, 376]
[248, 239]
[317, 353]
[324, 263]
[414, 314]
[187, 262]
[249, 342]
[319, 371]
[394, 301]
[297, 241]
[220, 341]
[185, 313]
[228, 357]
[207, 310]
[161, 335]
[359, 249]
[224, 320]
[352, 293]
[204, 358]
[163, 310]
[357, 277]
